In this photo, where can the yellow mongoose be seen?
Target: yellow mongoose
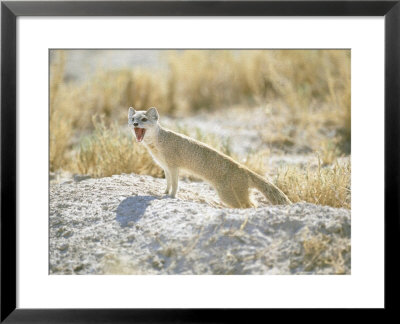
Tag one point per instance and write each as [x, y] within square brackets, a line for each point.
[173, 151]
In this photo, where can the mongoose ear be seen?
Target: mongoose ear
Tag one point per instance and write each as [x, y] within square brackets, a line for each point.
[152, 113]
[131, 112]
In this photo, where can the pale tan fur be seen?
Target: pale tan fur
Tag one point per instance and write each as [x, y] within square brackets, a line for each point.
[173, 151]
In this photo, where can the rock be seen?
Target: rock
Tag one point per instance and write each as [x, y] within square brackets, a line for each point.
[130, 229]
[80, 177]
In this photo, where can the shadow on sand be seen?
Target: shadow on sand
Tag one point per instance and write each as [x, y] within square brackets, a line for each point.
[133, 208]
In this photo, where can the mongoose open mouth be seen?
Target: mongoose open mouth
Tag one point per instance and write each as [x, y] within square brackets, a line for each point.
[139, 132]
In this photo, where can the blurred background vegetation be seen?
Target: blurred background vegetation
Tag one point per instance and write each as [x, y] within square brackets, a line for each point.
[304, 97]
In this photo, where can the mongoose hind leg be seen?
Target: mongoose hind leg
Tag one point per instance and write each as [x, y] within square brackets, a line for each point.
[235, 197]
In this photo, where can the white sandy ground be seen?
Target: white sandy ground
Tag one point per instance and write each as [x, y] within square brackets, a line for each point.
[124, 225]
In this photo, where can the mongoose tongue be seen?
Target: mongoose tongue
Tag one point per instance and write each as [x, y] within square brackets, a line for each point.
[139, 132]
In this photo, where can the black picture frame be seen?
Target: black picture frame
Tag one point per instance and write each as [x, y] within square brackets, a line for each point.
[10, 10]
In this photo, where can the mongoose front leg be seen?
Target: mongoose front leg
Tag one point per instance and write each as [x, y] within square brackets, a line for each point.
[168, 178]
[174, 181]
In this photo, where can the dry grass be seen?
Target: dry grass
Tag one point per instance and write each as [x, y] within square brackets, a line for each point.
[302, 81]
[60, 126]
[320, 252]
[319, 185]
[109, 151]
[306, 95]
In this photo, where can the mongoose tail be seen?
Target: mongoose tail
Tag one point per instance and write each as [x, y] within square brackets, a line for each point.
[268, 189]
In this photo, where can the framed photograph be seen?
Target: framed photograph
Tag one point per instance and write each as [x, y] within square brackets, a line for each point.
[168, 161]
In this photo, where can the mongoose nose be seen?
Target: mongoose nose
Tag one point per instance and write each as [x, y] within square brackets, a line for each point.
[135, 124]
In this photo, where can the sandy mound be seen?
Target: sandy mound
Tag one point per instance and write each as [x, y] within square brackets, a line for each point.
[124, 225]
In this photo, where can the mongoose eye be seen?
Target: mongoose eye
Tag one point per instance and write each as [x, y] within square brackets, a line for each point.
[144, 119]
